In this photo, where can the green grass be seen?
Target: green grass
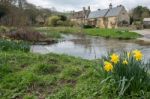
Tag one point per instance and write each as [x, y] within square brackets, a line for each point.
[107, 33]
[112, 33]
[55, 32]
[8, 45]
[50, 76]
[32, 76]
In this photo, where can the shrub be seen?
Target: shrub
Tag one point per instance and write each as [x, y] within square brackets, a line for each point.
[4, 29]
[87, 26]
[126, 74]
[138, 24]
[62, 17]
[26, 34]
[66, 23]
[61, 23]
[52, 21]
[7, 45]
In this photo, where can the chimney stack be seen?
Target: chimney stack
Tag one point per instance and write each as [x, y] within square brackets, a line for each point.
[89, 8]
[110, 6]
[84, 9]
[98, 9]
[73, 12]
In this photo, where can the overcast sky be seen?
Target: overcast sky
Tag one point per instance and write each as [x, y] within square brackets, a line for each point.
[69, 5]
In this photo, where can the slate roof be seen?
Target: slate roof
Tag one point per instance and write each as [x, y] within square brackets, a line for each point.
[106, 12]
[114, 11]
[98, 13]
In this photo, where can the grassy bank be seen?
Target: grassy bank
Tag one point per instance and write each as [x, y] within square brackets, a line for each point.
[55, 32]
[108, 33]
[112, 33]
[52, 76]
[24, 75]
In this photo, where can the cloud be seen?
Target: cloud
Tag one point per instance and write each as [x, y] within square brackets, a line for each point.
[69, 5]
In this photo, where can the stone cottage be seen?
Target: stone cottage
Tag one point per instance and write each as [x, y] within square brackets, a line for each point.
[80, 16]
[113, 17]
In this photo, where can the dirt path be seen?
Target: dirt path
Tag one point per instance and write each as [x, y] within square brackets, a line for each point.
[145, 33]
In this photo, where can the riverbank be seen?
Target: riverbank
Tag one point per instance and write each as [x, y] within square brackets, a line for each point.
[26, 75]
[107, 33]
[53, 76]
[145, 34]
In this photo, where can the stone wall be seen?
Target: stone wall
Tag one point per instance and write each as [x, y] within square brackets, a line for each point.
[100, 23]
[79, 21]
[112, 22]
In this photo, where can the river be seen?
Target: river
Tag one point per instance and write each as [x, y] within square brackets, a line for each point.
[88, 47]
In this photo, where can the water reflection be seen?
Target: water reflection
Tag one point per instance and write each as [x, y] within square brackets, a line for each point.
[91, 47]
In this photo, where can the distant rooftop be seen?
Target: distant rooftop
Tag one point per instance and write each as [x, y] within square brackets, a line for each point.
[98, 13]
[106, 12]
[146, 19]
[114, 11]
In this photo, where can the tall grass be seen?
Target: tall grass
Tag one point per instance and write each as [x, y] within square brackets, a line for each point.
[8, 45]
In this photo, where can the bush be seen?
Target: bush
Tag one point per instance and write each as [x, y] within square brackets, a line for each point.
[63, 17]
[7, 45]
[52, 21]
[126, 74]
[61, 23]
[87, 26]
[4, 29]
[66, 23]
[138, 24]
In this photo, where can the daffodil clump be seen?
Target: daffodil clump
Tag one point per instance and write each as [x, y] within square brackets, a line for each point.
[115, 58]
[128, 71]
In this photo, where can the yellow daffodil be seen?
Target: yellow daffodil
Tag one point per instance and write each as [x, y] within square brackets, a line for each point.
[108, 66]
[125, 62]
[114, 58]
[138, 55]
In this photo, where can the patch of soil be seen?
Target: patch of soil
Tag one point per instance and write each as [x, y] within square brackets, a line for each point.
[24, 65]
[41, 91]
[52, 61]
[76, 74]
[67, 81]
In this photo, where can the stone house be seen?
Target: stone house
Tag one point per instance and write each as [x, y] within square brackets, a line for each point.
[80, 16]
[146, 22]
[107, 18]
